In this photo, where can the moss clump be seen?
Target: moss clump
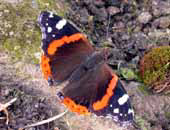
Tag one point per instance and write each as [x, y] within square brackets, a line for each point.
[20, 35]
[167, 114]
[155, 67]
[54, 5]
[142, 123]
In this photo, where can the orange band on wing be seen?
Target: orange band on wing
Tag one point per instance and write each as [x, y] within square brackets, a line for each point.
[65, 40]
[72, 106]
[45, 66]
[109, 93]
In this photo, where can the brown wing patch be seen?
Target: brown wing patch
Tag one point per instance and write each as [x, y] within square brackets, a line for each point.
[100, 104]
[68, 57]
[54, 45]
[94, 89]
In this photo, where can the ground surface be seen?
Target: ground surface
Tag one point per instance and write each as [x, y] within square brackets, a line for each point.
[128, 28]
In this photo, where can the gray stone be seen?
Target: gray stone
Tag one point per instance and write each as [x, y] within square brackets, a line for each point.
[112, 10]
[144, 17]
[162, 22]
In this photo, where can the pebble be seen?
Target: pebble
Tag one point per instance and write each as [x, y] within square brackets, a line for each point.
[162, 22]
[6, 92]
[84, 16]
[125, 37]
[11, 33]
[112, 10]
[87, 2]
[158, 33]
[160, 8]
[37, 55]
[144, 17]
[98, 3]
[1, 13]
[6, 11]
[101, 14]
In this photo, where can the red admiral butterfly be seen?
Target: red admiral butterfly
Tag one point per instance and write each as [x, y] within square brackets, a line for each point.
[90, 86]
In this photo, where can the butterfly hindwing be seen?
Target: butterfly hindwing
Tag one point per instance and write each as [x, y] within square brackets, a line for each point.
[100, 91]
[119, 107]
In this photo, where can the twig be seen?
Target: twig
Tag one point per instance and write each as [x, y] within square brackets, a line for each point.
[3, 107]
[46, 121]
[107, 34]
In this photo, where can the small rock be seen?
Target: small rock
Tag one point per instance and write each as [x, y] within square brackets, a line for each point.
[125, 37]
[112, 10]
[37, 55]
[101, 14]
[36, 105]
[11, 33]
[160, 8]
[144, 17]
[6, 92]
[93, 9]
[6, 11]
[87, 2]
[159, 33]
[118, 26]
[98, 3]
[156, 11]
[162, 22]
[1, 13]
[84, 16]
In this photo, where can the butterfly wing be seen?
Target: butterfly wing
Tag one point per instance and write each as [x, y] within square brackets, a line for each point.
[64, 47]
[98, 91]
[93, 87]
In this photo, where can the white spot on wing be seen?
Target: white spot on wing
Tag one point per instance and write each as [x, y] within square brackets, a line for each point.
[110, 105]
[122, 100]
[46, 24]
[61, 24]
[49, 29]
[130, 111]
[51, 15]
[53, 35]
[116, 110]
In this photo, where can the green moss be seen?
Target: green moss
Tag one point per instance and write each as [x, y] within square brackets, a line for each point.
[155, 65]
[141, 123]
[167, 114]
[46, 4]
[19, 32]
[128, 74]
[144, 90]
[52, 5]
